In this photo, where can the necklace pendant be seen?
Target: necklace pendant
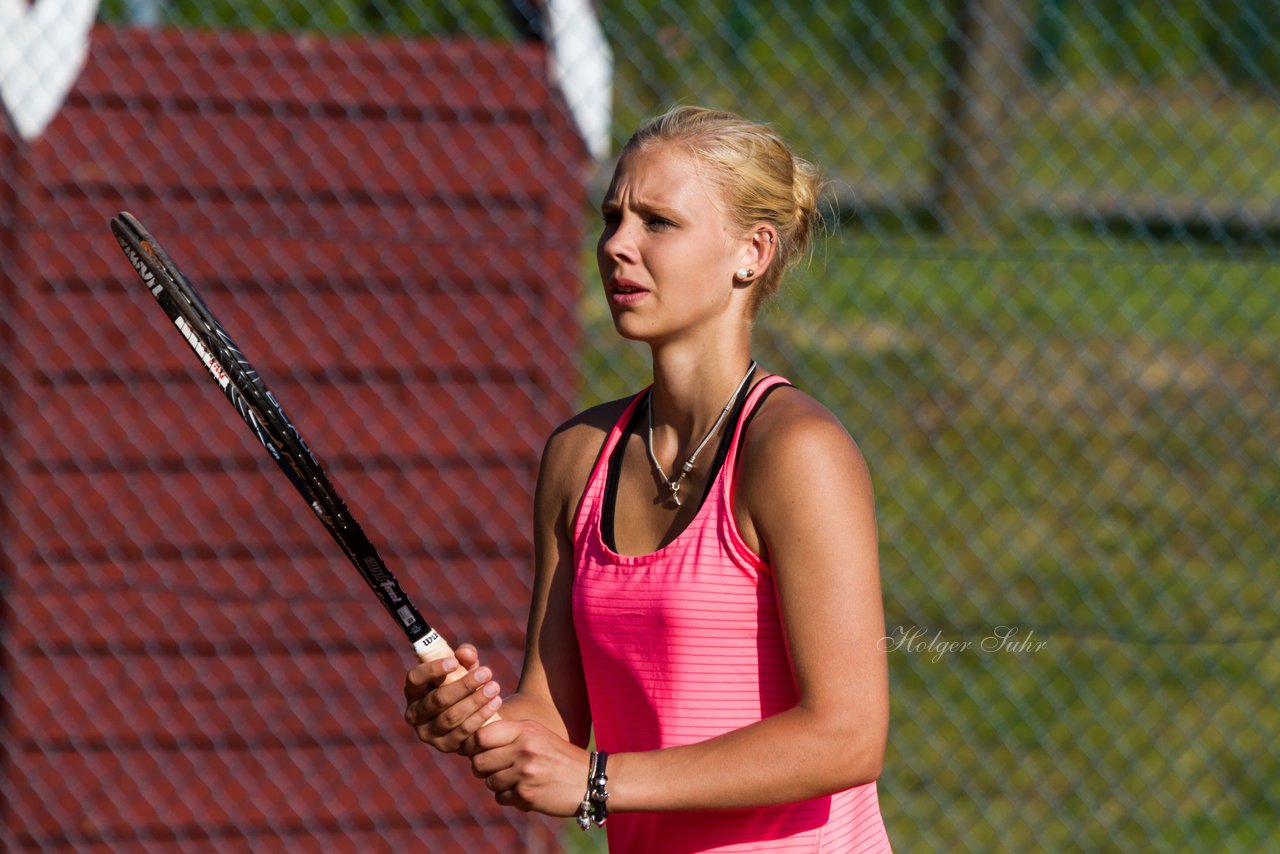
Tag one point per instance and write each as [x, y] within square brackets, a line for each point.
[687, 467]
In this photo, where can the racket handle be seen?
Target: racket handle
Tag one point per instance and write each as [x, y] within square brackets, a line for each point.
[433, 647]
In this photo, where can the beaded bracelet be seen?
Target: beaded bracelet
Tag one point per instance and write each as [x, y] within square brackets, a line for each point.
[592, 810]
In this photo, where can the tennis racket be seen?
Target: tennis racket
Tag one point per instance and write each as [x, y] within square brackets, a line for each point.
[264, 416]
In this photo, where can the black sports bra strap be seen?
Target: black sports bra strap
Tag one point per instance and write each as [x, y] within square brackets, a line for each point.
[613, 474]
[755, 410]
[614, 470]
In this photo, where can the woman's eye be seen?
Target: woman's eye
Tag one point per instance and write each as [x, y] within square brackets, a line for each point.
[657, 223]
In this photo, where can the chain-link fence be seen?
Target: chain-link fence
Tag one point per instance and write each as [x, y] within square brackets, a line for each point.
[1046, 307]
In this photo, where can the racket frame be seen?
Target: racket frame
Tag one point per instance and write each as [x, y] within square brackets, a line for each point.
[265, 417]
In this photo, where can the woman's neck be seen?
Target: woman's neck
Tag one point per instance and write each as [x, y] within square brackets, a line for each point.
[690, 390]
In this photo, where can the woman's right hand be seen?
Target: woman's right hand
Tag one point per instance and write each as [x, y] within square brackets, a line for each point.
[445, 710]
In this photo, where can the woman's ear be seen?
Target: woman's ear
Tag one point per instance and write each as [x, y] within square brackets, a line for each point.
[759, 250]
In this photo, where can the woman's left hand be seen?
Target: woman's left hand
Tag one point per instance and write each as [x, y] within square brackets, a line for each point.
[530, 768]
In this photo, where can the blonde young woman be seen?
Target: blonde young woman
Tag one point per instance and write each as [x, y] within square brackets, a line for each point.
[707, 593]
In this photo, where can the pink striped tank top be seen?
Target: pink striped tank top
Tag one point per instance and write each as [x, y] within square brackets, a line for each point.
[656, 629]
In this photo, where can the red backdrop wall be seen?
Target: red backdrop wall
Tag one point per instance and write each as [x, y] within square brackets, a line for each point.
[392, 233]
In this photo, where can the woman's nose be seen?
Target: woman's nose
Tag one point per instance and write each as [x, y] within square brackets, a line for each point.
[617, 241]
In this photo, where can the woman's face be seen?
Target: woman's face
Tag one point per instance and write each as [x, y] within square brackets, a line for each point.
[668, 252]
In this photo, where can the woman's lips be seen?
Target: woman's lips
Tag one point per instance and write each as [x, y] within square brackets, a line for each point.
[626, 292]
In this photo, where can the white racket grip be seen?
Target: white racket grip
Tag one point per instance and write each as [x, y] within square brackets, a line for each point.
[433, 647]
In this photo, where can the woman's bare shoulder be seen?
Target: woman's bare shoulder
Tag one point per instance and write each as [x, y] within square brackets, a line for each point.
[800, 473]
[792, 430]
[572, 448]
[790, 413]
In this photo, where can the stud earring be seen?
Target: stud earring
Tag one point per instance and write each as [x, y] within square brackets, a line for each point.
[744, 274]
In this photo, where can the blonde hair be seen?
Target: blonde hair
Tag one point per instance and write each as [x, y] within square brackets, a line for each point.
[761, 178]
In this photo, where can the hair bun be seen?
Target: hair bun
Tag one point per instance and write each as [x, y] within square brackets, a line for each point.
[806, 187]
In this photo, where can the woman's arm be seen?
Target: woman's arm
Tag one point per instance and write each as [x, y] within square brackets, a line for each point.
[551, 690]
[804, 494]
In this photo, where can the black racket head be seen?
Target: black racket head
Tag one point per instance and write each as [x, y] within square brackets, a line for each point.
[262, 413]
[175, 293]
[220, 355]
[212, 343]
[158, 271]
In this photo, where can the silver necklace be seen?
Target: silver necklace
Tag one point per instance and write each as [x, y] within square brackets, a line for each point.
[674, 485]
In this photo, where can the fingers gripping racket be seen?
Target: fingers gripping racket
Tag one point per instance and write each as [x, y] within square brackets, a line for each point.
[265, 417]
